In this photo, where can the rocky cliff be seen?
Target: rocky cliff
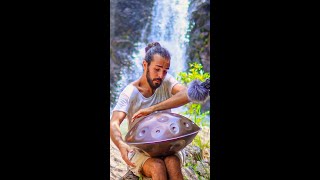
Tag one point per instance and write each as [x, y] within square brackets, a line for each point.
[199, 33]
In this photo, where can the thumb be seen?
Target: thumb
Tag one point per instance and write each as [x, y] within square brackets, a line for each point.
[124, 155]
[130, 149]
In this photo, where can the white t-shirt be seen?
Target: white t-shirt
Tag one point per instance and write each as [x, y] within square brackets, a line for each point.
[131, 100]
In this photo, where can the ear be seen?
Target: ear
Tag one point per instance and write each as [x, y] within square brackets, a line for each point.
[145, 65]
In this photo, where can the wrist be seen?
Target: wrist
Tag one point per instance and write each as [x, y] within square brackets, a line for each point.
[120, 142]
[153, 108]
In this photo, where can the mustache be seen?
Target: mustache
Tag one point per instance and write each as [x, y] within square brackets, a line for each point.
[157, 79]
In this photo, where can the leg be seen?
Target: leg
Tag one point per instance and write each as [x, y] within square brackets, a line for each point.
[155, 168]
[173, 167]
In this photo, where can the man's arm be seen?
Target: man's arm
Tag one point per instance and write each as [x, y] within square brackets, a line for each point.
[116, 136]
[179, 98]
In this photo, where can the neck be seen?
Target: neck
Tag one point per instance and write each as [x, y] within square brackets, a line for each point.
[143, 83]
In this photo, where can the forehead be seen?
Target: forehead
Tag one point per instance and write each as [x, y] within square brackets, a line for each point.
[160, 61]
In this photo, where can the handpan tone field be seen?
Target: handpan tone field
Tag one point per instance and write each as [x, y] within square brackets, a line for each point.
[162, 134]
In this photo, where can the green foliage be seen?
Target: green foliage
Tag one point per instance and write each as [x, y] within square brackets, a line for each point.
[193, 110]
[195, 72]
[199, 142]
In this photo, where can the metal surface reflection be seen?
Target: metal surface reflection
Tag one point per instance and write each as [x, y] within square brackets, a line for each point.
[162, 134]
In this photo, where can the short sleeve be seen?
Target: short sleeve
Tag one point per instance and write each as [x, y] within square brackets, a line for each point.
[122, 104]
[171, 82]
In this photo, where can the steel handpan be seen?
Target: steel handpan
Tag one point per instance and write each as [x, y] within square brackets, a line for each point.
[162, 133]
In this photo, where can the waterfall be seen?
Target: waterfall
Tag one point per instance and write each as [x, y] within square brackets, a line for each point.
[169, 28]
[169, 25]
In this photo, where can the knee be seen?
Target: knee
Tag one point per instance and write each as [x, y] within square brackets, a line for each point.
[170, 160]
[158, 166]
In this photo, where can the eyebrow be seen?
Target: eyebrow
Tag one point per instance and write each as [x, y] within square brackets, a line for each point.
[162, 66]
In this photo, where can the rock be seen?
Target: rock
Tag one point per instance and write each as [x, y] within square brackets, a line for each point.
[203, 169]
[198, 160]
[206, 155]
[199, 43]
[189, 173]
[193, 151]
[129, 175]
[118, 167]
[204, 135]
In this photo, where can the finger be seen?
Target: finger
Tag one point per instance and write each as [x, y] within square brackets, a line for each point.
[137, 113]
[135, 117]
[126, 159]
[138, 116]
[124, 154]
[130, 163]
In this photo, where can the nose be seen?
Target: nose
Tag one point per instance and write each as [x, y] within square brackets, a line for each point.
[161, 74]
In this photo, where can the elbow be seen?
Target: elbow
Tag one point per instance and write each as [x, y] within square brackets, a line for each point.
[112, 124]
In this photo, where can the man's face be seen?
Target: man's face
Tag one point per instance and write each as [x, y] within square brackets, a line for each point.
[157, 71]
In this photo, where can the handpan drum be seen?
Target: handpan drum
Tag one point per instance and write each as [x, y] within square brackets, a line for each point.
[162, 134]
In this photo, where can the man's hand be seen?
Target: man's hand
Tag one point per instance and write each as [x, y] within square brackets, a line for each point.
[124, 150]
[142, 112]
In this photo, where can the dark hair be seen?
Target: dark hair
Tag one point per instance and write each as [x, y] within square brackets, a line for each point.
[155, 48]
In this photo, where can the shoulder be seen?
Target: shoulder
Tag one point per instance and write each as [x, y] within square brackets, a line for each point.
[128, 91]
[173, 84]
[170, 80]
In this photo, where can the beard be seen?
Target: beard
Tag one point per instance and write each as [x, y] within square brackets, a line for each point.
[153, 85]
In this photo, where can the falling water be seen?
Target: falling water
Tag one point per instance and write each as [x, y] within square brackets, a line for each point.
[169, 26]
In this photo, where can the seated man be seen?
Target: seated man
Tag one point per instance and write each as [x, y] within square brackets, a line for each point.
[155, 90]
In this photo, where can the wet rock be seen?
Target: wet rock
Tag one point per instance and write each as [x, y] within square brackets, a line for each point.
[199, 44]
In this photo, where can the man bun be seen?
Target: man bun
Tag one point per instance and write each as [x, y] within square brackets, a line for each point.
[155, 48]
[150, 45]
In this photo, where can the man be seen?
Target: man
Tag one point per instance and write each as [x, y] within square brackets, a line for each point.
[155, 90]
